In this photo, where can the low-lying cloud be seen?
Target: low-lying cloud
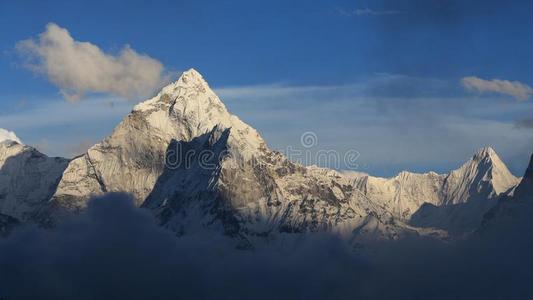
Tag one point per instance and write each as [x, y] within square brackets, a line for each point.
[117, 251]
[77, 68]
[516, 89]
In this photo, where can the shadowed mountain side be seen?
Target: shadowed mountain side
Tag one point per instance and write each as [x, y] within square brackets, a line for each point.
[7, 224]
[457, 219]
[511, 211]
[191, 166]
[185, 197]
[216, 192]
[525, 188]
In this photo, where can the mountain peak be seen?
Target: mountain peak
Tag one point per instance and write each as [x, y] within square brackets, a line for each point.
[485, 174]
[486, 152]
[189, 92]
[487, 157]
[190, 78]
[191, 75]
[188, 108]
[488, 160]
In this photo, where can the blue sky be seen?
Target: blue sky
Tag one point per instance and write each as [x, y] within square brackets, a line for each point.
[383, 77]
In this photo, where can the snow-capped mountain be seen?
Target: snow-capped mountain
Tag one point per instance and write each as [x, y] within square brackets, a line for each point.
[28, 179]
[484, 176]
[244, 190]
[133, 157]
[454, 202]
[196, 166]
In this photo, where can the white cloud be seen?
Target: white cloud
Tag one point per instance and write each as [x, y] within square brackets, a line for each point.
[6, 135]
[271, 91]
[81, 67]
[518, 90]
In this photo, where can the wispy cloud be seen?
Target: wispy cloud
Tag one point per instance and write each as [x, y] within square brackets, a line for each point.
[377, 85]
[516, 89]
[78, 67]
[62, 128]
[367, 12]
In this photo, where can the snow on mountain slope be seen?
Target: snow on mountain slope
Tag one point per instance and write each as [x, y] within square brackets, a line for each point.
[404, 194]
[28, 179]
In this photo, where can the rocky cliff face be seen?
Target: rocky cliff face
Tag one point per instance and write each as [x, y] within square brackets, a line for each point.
[512, 211]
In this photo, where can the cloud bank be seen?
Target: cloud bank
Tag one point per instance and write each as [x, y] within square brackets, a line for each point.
[518, 90]
[78, 67]
[6, 135]
[117, 251]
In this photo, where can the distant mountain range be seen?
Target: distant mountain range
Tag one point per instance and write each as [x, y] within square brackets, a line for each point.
[196, 166]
